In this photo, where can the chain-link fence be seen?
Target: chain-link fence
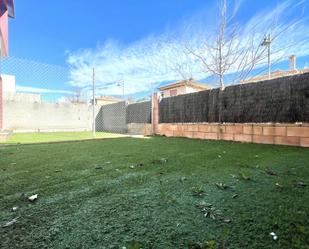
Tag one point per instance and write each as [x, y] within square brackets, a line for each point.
[124, 118]
[29, 80]
[43, 98]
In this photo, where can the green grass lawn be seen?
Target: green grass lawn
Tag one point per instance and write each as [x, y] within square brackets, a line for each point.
[90, 197]
[45, 137]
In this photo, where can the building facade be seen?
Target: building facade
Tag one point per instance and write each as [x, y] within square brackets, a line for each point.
[182, 87]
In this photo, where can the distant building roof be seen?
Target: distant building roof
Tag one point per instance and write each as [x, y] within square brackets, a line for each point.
[189, 82]
[275, 75]
[108, 98]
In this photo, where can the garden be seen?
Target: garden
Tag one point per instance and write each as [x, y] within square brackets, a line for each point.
[153, 193]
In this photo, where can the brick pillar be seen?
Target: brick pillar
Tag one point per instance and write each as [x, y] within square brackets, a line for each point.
[155, 113]
[1, 104]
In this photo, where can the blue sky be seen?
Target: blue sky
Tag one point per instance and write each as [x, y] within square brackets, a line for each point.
[46, 30]
[107, 34]
[52, 27]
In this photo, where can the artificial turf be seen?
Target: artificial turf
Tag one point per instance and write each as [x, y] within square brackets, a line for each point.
[109, 193]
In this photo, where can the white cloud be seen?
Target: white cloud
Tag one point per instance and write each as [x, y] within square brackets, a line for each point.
[144, 64]
[29, 89]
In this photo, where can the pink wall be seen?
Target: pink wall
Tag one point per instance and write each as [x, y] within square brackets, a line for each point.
[1, 104]
[4, 34]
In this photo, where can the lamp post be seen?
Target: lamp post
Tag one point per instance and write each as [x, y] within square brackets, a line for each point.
[93, 102]
[267, 43]
[121, 84]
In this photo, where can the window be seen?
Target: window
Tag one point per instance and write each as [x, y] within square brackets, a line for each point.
[173, 92]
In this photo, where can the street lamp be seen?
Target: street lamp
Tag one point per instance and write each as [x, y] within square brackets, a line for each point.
[267, 43]
[93, 102]
[121, 84]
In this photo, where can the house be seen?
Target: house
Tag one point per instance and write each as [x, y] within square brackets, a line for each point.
[106, 100]
[8, 83]
[279, 73]
[182, 87]
[9, 91]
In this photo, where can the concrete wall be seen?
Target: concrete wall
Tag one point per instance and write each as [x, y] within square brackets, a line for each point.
[26, 116]
[23, 97]
[139, 129]
[29, 116]
[281, 134]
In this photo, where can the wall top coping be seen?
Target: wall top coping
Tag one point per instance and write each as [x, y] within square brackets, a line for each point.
[245, 124]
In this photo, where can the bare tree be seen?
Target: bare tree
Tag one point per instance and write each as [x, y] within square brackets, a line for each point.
[229, 50]
[238, 51]
[180, 62]
[76, 96]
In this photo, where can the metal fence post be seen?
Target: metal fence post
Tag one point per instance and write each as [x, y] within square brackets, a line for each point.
[93, 102]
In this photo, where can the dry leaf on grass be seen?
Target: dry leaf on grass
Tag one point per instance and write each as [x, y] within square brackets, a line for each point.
[301, 184]
[270, 172]
[275, 237]
[15, 208]
[10, 223]
[160, 161]
[33, 198]
[221, 185]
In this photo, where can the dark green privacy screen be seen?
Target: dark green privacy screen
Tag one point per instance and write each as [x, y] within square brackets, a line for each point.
[278, 100]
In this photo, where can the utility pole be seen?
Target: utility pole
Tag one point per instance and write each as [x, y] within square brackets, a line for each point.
[267, 43]
[93, 102]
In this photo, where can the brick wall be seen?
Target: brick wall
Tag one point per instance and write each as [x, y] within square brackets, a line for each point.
[155, 113]
[281, 134]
